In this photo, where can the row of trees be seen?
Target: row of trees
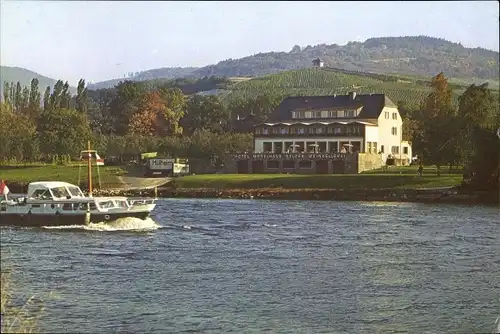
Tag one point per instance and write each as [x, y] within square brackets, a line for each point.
[35, 128]
[443, 134]
[135, 117]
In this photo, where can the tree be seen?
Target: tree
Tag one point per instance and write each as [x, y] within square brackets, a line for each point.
[206, 112]
[99, 111]
[65, 96]
[18, 97]
[176, 104]
[56, 96]
[81, 97]
[18, 135]
[25, 100]
[479, 117]
[34, 99]
[46, 99]
[146, 121]
[6, 93]
[63, 131]
[159, 113]
[125, 104]
[436, 140]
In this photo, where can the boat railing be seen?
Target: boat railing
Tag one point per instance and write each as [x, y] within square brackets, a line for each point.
[141, 201]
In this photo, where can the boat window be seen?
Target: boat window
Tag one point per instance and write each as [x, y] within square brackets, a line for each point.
[75, 191]
[60, 192]
[121, 204]
[41, 194]
[106, 204]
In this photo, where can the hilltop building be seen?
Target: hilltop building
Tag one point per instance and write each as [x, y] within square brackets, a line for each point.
[327, 134]
[318, 63]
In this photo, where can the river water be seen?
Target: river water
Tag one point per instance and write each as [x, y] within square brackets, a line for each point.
[206, 265]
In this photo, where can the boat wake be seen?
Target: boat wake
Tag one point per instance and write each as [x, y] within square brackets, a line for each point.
[121, 224]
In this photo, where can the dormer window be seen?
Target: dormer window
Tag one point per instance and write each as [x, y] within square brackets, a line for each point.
[332, 113]
[317, 114]
[265, 131]
[284, 131]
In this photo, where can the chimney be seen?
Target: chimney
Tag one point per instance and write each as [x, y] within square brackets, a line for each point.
[352, 95]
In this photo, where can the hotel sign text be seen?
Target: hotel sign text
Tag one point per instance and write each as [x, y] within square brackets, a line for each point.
[288, 156]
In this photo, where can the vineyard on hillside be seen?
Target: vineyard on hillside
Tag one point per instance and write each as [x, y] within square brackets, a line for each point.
[315, 82]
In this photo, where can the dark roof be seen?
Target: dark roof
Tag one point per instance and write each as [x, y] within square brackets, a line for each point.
[372, 105]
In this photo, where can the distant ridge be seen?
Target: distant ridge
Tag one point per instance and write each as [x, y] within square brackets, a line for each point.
[422, 56]
[24, 76]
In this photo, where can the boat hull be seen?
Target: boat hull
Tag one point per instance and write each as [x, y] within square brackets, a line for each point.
[37, 220]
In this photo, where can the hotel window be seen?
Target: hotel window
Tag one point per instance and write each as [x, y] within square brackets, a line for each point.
[317, 114]
[386, 115]
[405, 150]
[381, 148]
[300, 114]
[258, 131]
[395, 150]
[284, 131]
[332, 113]
[302, 131]
[349, 129]
[265, 131]
[394, 131]
[337, 130]
[275, 131]
[319, 130]
[293, 130]
[349, 113]
[394, 115]
[311, 130]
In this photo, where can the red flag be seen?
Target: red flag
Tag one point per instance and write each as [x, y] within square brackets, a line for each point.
[4, 190]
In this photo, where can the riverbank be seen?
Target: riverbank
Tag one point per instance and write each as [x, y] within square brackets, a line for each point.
[400, 184]
[451, 195]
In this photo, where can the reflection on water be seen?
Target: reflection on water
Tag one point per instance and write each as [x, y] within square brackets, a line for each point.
[279, 266]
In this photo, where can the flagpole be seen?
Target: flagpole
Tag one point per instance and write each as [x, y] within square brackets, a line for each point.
[89, 168]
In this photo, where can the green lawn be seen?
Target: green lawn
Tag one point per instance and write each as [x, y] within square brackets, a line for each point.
[397, 177]
[294, 181]
[413, 170]
[30, 173]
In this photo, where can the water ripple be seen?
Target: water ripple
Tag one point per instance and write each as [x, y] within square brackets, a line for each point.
[268, 266]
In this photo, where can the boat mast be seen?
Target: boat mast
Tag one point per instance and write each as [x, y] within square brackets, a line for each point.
[89, 168]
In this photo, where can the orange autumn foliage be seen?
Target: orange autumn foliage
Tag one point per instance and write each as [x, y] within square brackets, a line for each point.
[149, 119]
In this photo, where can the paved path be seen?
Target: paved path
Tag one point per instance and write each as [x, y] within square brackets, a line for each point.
[131, 182]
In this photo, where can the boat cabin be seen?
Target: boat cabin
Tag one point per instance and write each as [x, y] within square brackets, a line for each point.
[53, 190]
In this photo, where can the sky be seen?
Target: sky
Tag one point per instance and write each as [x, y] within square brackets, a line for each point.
[99, 40]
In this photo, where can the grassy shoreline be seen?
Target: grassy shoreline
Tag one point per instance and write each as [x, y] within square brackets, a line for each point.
[393, 178]
[401, 184]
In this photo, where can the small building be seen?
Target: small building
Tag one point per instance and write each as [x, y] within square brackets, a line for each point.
[326, 134]
[318, 63]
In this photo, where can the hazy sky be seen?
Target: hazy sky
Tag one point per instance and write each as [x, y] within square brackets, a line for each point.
[103, 40]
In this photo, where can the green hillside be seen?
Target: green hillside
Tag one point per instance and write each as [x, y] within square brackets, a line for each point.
[332, 81]
[24, 76]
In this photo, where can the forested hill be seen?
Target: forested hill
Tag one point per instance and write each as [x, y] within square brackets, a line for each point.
[24, 77]
[413, 55]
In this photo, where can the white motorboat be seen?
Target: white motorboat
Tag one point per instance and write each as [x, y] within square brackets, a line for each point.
[55, 203]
